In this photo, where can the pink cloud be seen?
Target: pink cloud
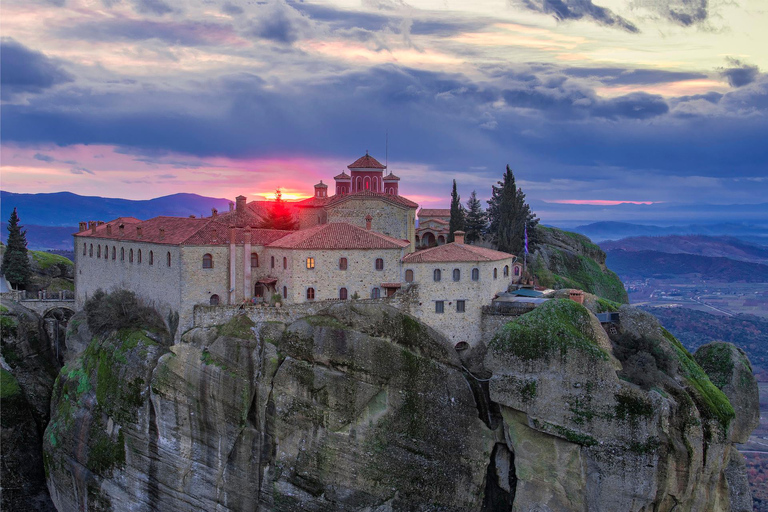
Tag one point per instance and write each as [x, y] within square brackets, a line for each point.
[596, 202]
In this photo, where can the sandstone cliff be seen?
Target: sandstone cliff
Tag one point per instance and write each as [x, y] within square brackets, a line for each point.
[364, 408]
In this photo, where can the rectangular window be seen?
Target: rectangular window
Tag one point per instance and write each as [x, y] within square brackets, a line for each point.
[460, 305]
[439, 306]
[310, 263]
[342, 263]
[379, 264]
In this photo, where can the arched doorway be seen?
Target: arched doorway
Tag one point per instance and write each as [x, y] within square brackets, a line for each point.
[428, 239]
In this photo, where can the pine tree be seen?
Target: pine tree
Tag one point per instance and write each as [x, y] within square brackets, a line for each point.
[280, 215]
[475, 222]
[509, 215]
[15, 265]
[457, 214]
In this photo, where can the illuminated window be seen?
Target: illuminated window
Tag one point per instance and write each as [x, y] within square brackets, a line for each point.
[254, 260]
[439, 306]
[207, 261]
[310, 263]
[379, 264]
[310, 294]
[460, 306]
[456, 274]
[409, 276]
[475, 274]
[342, 263]
[437, 275]
[343, 294]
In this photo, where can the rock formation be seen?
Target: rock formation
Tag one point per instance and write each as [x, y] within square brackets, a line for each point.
[363, 408]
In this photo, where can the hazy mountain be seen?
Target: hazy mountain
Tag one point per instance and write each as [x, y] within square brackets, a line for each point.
[68, 209]
[716, 247]
[45, 237]
[599, 231]
[639, 264]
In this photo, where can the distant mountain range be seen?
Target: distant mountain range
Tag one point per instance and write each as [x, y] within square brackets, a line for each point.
[600, 231]
[700, 245]
[642, 264]
[68, 209]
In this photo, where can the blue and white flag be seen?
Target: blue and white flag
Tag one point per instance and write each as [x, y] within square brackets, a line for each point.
[526, 239]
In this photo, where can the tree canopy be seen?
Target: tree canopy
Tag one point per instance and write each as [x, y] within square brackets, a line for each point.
[509, 215]
[15, 267]
[476, 219]
[280, 215]
[457, 214]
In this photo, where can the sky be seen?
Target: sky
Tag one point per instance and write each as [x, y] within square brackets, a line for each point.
[604, 109]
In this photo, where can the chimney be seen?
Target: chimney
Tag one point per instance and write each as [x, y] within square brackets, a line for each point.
[240, 203]
[101, 222]
[368, 220]
[93, 226]
[214, 212]
[121, 227]
[231, 206]
[109, 229]
[458, 237]
[191, 216]
[232, 233]
[138, 231]
[248, 234]
[83, 226]
[162, 233]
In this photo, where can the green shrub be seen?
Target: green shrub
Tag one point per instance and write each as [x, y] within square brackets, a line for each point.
[121, 309]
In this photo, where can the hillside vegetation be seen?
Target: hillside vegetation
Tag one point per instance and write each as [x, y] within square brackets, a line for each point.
[569, 260]
[711, 246]
[660, 264]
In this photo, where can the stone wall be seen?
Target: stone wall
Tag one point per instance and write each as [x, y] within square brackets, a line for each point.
[395, 221]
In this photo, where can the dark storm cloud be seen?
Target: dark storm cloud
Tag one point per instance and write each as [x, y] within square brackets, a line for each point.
[153, 7]
[740, 73]
[280, 23]
[580, 9]
[681, 12]
[189, 33]
[622, 76]
[25, 70]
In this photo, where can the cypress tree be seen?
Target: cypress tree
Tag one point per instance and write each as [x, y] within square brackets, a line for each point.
[280, 215]
[15, 265]
[475, 220]
[509, 215]
[457, 214]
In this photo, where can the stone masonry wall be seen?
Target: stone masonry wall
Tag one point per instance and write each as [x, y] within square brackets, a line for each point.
[389, 219]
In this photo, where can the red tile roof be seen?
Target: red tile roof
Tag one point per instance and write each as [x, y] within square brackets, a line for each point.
[434, 212]
[366, 162]
[312, 202]
[391, 177]
[338, 235]
[366, 194]
[454, 252]
[342, 176]
[436, 221]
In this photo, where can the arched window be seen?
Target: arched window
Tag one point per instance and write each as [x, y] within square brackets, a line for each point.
[285, 262]
[285, 292]
[436, 275]
[310, 294]
[357, 184]
[367, 183]
[106, 252]
[495, 273]
[272, 262]
[517, 270]
[375, 293]
[310, 263]
[214, 300]
[151, 257]
[130, 256]
[169, 258]
[207, 261]
[379, 264]
[456, 274]
[254, 260]
[475, 274]
[342, 263]
[139, 258]
[409, 276]
[122, 254]
[343, 294]
[85, 249]
[506, 270]
[90, 251]
[98, 251]
[114, 253]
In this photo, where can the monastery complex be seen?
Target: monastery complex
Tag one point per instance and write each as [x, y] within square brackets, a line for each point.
[361, 242]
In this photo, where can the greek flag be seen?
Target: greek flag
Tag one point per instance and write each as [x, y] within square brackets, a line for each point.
[526, 239]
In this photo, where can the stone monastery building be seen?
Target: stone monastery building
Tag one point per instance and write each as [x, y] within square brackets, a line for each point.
[357, 243]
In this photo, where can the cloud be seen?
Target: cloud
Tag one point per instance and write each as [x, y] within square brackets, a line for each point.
[279, 22]
[157, 7]
[622, 76]
[189, 33]
[44, 158]
[681, 12]
[740, 74]
[231, 9]
[23, 70]
[80, 170]
[580, 9]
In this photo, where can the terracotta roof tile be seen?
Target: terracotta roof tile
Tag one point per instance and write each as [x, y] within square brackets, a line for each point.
[176, 229]
[312, 202]
[454, 252]
[338, 235]
[365, 194]
[391, 177]
[366, 162]
[434, 212]
[342, 176]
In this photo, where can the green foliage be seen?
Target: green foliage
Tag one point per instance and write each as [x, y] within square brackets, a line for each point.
[571, 270]
[239, 326]
[46, 260]
[717, 362]
[476, 219]
[606, 305]
[8, 326]
[280, 215]
[553, 328]
[9, 386]
[15, 264]
[509, 215]
[631, 407]
[103, 453]
[121, 309]
[457, 214]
